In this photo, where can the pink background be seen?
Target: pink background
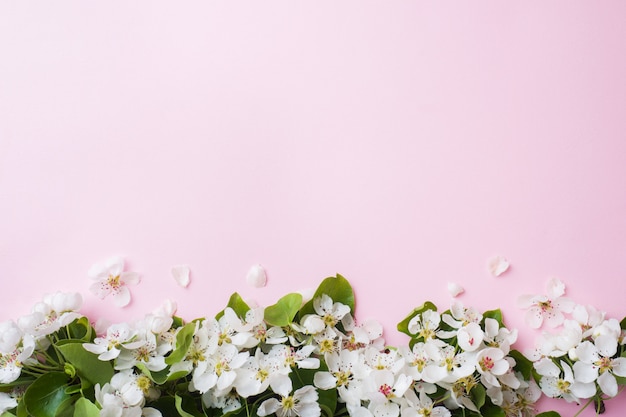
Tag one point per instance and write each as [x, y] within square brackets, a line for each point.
[400, 144]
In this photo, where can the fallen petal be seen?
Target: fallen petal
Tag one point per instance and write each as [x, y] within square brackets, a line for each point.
[498, 265]
[455, 289]
[181, 275]
[256, 276]
[555, 287]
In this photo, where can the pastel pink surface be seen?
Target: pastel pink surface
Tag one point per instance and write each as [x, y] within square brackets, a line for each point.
[399, 144]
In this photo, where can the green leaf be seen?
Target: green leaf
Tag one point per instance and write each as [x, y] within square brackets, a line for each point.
[80, 329]
[338, 288]
[403, 326]
[87, 364]
[522, 364]
[494, 314]
[165, 404]
[85, 408]
[158, 377]
[492, 411]
[184, 337]
[478, 395]
[47, 395]
[237, 304]
[183, 402]
[7, 414]
[21, 409]
[622, 323]
[549, 414]
[285, 309]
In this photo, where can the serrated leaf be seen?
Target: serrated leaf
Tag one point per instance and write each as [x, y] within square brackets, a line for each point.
[87, 364]
[46, 396]
[282, 313]
[85, 408]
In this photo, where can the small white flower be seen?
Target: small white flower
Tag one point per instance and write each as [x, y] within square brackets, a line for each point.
[256, 277]
[148, 353]
[259, 372]
[446, 365]
[425, 325]
[596, 362]
[470, 337]
[219, 370]
[180, 273]
[126, 394]
[416, 360]
[111, 279]
[388, 359]
[109, 346]
[491, 365]
[53, 312]
[562, 384]
[303, 403]
[290, 357]
[385, 391]
[422, 406]
[331, 313]
[547, 308]
[500, 337]
[17, 348]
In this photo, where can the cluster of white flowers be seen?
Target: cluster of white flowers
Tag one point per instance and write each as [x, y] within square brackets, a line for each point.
[21, 340]
[231, 359]
[582, 359]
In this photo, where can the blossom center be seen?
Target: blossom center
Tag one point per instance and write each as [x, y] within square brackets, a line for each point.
[563, 386]
[486, 364]
[343, 378]
[386, 390]
[427, 333]
[114, 281]
[223, 337]
[327, 346]
[144, 384]
[604, 364]
[288, 404]
[330, 320]
[262, 375]
[545, 305]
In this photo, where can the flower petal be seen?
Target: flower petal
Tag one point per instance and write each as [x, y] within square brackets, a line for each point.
[256, 276]
[455, 289]
[121, 297]
[555, 287]
[180, 273]
[608, 384]
[130, 277]
[534, 318]
[498, 265]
